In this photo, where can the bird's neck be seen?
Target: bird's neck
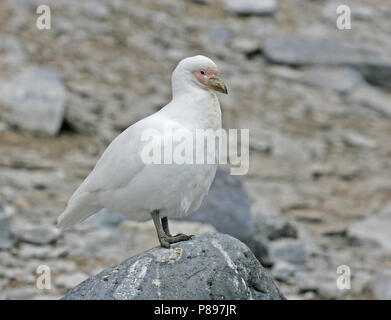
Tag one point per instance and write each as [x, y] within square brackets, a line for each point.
[200, 107]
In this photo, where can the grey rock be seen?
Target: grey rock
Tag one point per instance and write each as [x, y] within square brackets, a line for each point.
[5, 233]
[3, 283]
[6, 240]
[259, 245]
[373, 231]
[114, 244]
[377, 73]
[218, 35]
[246, 46]
[17, 274]
[358, 11]
[288, 250]
[37, 234]
[381, 285]
[46, 297]
[214, 266]
[68, 281]
[361, 282]
[95, 10]
[200, 1]
[339, 79]
[275, 227]
[18, 293]
[296, 149]
[226, 207]
[251, 7]
[271, 197]
[106, 219]
[34, 100]
[370, 98]
[12, 50]
[299, 52]
[30, 251]
[356, 140]
[284, 271]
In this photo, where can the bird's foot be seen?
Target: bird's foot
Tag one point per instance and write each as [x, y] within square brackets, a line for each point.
[166, 240]
[182, 237]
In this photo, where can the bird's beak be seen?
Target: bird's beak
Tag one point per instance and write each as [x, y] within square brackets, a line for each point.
[215, 83]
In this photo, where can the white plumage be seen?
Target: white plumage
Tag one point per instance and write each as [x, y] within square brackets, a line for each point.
[122, 182]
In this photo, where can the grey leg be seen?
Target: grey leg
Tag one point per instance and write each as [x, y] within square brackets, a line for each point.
[163, 233]
[159, 229]
[166, 229]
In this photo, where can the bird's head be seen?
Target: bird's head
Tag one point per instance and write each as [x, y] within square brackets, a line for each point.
[197, 72]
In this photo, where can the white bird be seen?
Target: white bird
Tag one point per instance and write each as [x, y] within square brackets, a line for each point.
[122, 182]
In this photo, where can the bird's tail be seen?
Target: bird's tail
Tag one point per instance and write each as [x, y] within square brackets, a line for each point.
[77, 211]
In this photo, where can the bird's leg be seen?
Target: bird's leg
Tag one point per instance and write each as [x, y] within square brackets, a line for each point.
[176, 238]
[166, 229]
[162, 230]
[159, 229]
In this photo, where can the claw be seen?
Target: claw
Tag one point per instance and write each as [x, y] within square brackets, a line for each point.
[173, 239]
[164, 243]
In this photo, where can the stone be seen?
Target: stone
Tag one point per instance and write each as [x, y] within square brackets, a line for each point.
[322, 282]
[381, 285]
[218, 35]
[275, 227]
[212, 266]
[288, 250]
[3, 283]
[18, 293]
[259, 245]
[374, 66]
[46, 297]
[294, 149]
[6, 240]
[34, 100]
[39, 235]
[247, 46]
[114, 244]
[30, 251]
[204, 2]
[358, 11]
[106, 219]
[12, 50]
[378, 74]
[226, 207]
[251, 7]
[5, 233]
[356, 140]
[340, 79]
[370, 98]
[68, 281]
[284, 271]
[361, 282]
[273, 197]
[95, 10]
[373, 231]
[300, 52]
[18, 274]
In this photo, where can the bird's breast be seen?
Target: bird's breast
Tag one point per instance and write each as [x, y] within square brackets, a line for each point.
[209, 113]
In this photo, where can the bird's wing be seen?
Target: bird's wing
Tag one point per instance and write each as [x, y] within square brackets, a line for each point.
[121, 161]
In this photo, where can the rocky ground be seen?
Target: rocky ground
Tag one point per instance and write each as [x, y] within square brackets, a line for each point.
[316, 99]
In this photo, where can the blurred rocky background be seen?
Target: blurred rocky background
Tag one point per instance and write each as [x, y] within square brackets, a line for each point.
[316, 99]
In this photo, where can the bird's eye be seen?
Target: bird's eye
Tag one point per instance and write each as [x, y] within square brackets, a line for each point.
[202, 72]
